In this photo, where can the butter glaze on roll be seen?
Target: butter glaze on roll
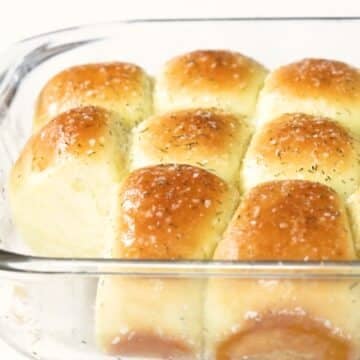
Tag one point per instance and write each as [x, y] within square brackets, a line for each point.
[64, 182]
[119, 87]
[305, 147]
[318, 87]
[207, 138]
[284, 319]
[167, 212]
[210, 78]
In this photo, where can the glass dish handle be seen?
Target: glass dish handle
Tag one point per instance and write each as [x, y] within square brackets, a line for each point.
[22, 58]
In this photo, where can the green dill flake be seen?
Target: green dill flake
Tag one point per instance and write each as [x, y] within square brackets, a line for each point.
[354, 284]
[190, 145]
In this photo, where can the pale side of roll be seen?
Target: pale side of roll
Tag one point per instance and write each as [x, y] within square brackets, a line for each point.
[353, 205]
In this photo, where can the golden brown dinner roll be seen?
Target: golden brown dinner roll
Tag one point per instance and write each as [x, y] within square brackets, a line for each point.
[65, 180]
[119, 87]
[210, 78]
[174, 212]
[300, 146]
[207, 138]
[281, 220]
[285, 319]
[313, 86]
[353, 204]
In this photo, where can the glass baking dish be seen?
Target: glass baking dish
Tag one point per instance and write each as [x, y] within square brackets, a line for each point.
[47, 304]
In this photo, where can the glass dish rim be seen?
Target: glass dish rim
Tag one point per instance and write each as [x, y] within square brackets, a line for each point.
[18, 264]
[192, 19]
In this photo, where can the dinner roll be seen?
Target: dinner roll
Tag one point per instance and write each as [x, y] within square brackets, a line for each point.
[314, 86]
[353, 204]
[210, 78]
[65, 180]
[300, 146]
[173, 212]
[207, 138]
[284, 319]
[119, 87]
[280, 220]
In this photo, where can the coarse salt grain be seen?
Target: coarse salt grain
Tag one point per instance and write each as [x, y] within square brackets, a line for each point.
[235, 328]
[116, 340]
[251, 315]
[256, 211]
[124, 330]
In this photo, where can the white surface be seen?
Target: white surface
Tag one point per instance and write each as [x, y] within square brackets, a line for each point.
[25, 18]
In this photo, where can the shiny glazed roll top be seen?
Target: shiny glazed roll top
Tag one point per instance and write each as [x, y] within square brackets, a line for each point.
[206, 138]
[119, 87]
[317, 87]
[210, 78]
[305, 147]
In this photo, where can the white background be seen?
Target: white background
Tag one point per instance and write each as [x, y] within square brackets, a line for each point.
[24, 18]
